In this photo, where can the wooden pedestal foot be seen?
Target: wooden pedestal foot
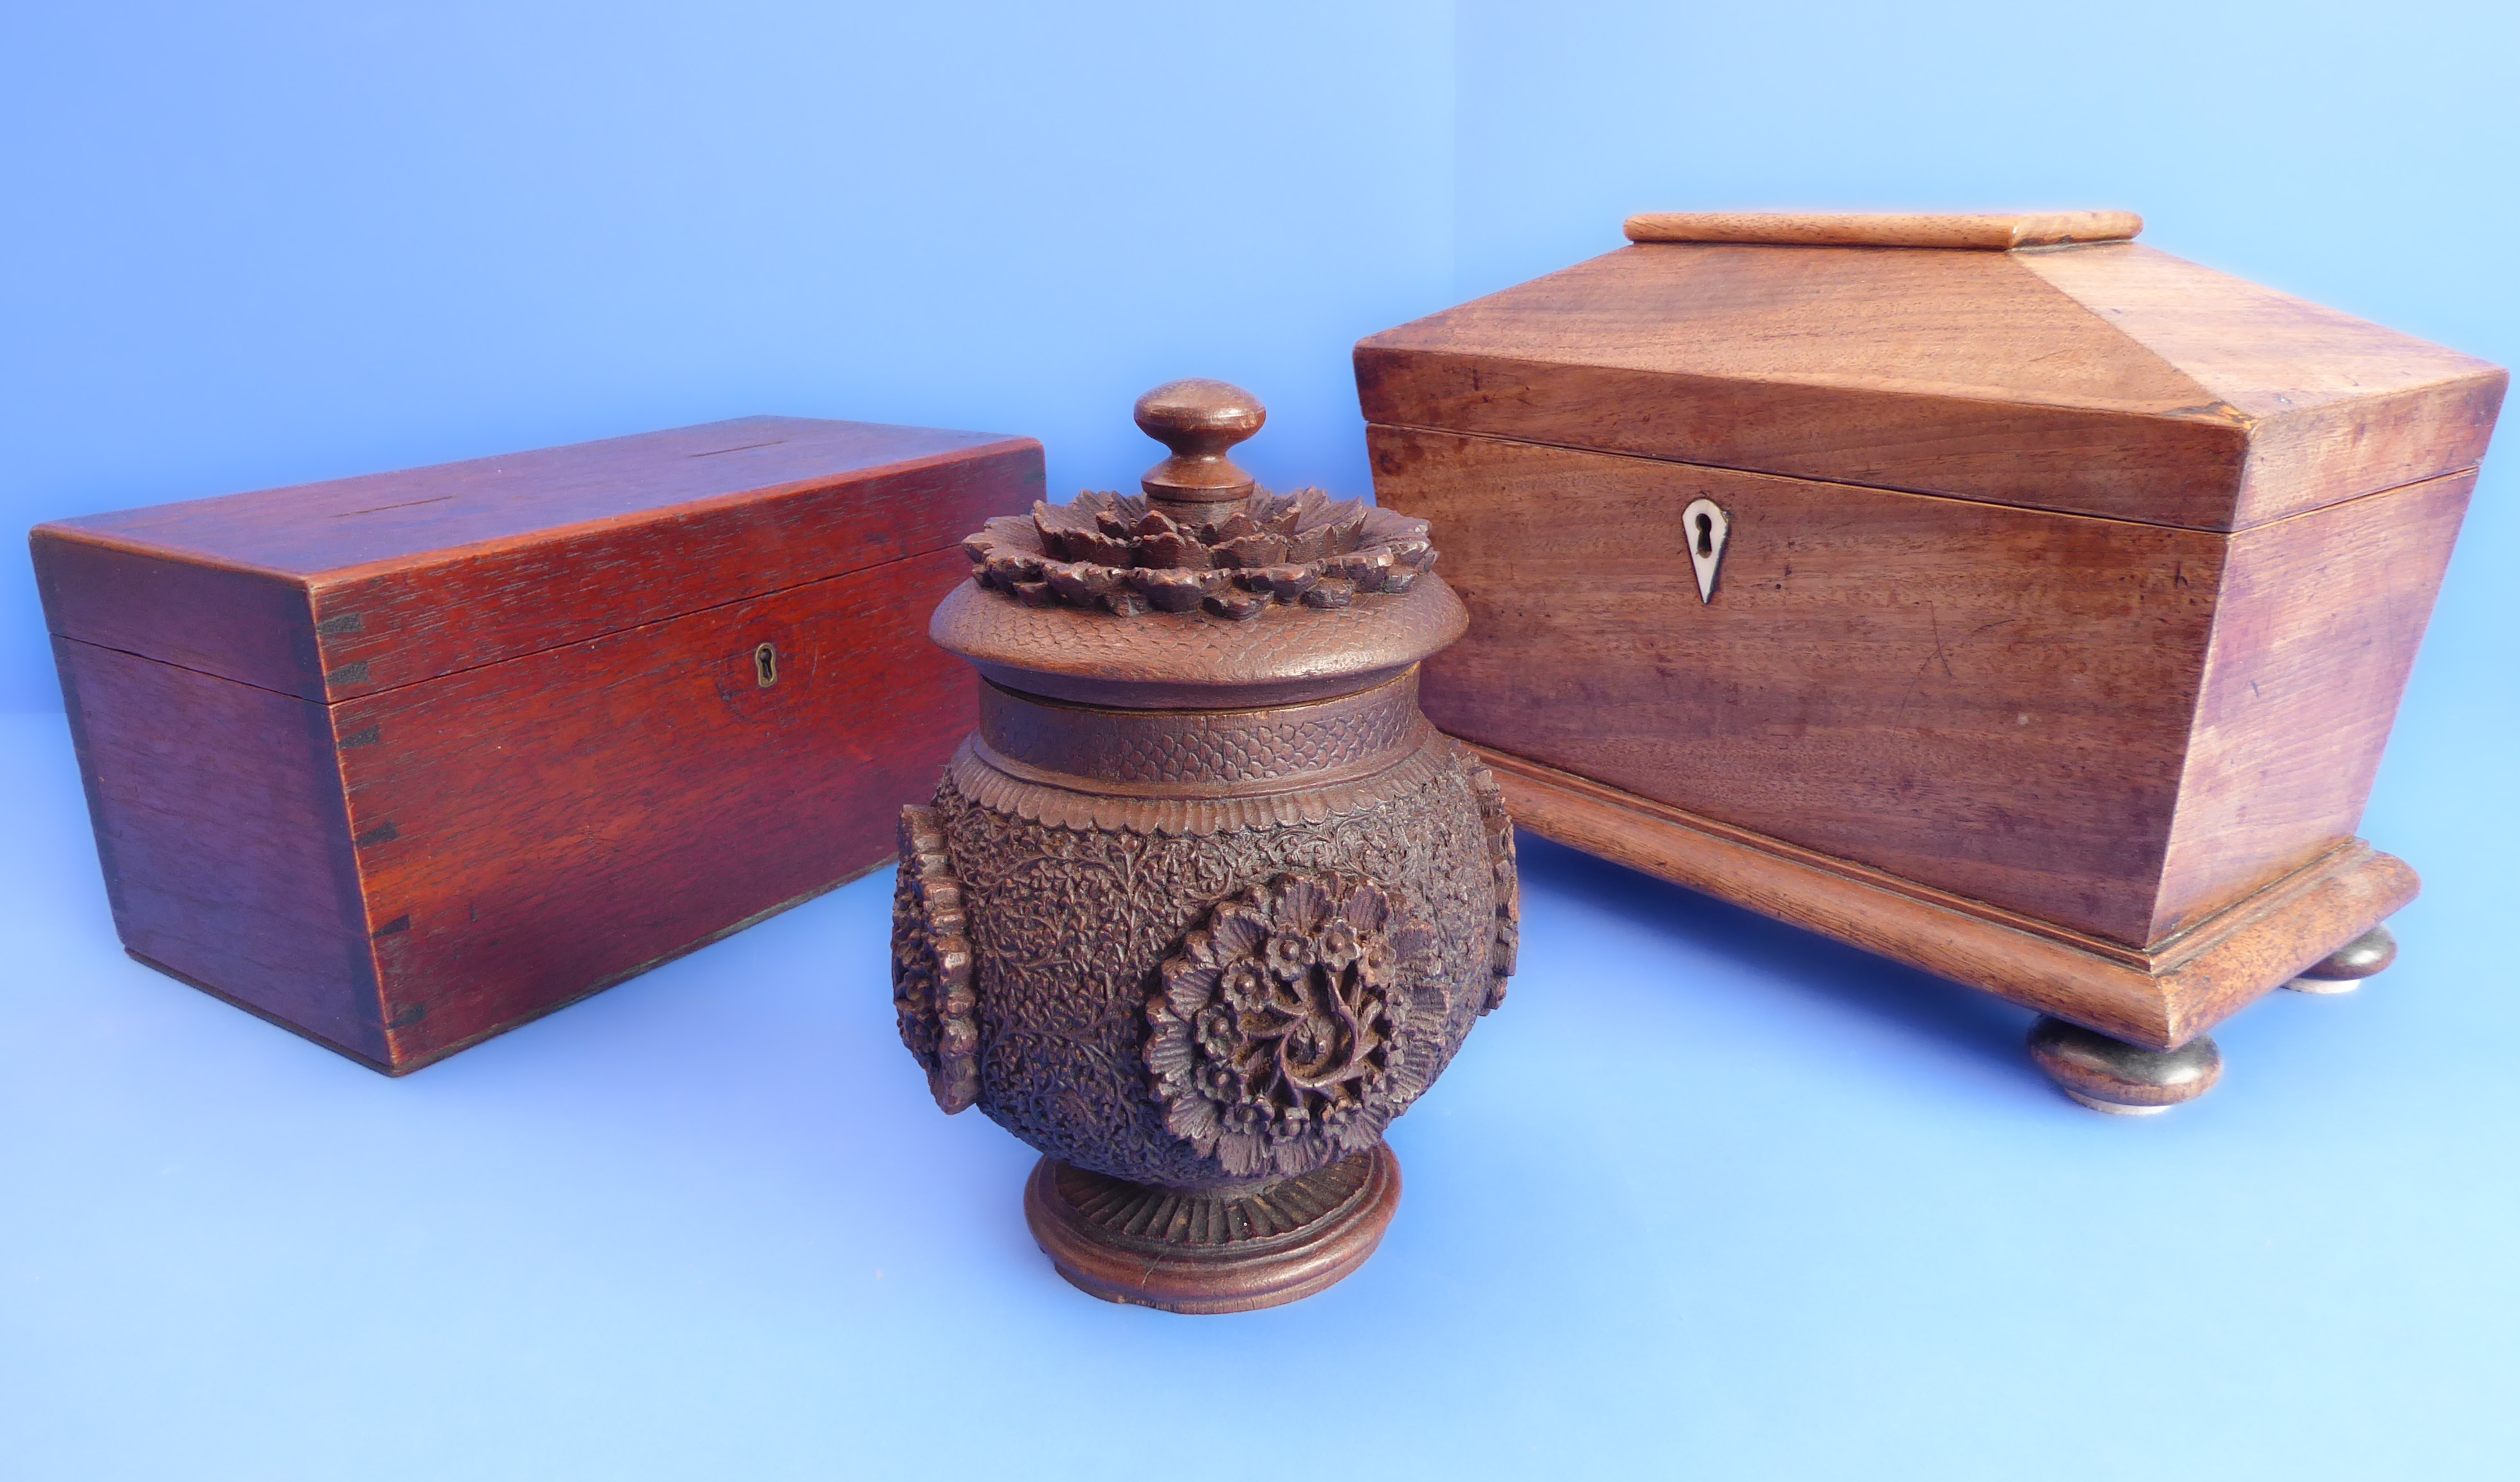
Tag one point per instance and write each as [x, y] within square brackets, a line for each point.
[1213, 1250]
[2114, 1076]
[2344, 969]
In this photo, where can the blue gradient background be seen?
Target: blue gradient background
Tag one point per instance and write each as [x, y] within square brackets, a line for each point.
[1710, 1198]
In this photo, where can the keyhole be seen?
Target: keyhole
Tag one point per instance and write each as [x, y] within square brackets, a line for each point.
[765, 665]
[1705, 534]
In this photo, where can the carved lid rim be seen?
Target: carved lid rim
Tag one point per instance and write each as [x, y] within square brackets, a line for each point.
[1195, 660]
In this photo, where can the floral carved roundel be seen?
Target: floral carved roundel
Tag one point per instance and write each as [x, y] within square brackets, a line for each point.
[1277, 1021]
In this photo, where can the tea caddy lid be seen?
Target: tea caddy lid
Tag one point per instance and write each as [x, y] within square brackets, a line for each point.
[1203, 591]
[2036, 359]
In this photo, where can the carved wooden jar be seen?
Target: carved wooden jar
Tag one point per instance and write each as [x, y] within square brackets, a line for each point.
[1204, 902]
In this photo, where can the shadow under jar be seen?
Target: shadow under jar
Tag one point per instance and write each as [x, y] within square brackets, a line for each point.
[1204, 902]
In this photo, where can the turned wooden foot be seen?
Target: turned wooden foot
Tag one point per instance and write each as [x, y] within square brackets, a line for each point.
[2114, 1076]
[2344, 969]
[1213, 1251]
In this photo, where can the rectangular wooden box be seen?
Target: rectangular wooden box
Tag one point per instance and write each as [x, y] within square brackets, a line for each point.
[402, 761]
[2063, 606]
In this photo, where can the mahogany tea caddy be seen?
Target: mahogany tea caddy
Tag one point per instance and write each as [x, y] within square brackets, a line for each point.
[2046, 606]
[401, 761]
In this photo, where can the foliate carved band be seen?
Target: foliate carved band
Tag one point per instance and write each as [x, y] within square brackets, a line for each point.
[931, 964]
[1280, 1018]
[1200, 753]
[1508, 883]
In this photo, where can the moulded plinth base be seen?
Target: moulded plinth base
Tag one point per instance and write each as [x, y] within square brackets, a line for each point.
[1213, 1251]
[2158, 997]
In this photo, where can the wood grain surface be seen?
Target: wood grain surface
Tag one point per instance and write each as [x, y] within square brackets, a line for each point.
[2108, 379]
[226, 845]
[1985, 699]
[552, 756]
[1993, 231]
[334, 590]
[533, 830]
[2315, 628]
[2160, 999]
[2118, 728]
[2066, 588]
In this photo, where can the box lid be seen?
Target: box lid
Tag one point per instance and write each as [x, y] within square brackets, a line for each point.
[337, 589]
[2043, 360]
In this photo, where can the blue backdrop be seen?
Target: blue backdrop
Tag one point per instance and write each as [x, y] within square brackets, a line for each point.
[1819, 1220]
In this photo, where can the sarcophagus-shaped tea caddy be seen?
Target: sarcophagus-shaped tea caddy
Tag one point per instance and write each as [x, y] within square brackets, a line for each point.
[1993, 593]
[1204, 902]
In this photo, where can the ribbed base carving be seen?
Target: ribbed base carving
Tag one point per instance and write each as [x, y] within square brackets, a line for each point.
[1212, 1251]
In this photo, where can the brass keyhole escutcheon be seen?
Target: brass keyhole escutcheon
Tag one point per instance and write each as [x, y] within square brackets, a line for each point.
[765, 665]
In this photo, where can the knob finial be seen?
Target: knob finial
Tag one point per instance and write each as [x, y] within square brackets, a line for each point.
[1198, 420]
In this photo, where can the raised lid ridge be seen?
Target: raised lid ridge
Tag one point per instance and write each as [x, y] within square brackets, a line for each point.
[1999, 231]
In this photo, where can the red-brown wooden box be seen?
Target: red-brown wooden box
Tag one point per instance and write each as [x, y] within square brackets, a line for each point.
[402, 761]
[1993, 593]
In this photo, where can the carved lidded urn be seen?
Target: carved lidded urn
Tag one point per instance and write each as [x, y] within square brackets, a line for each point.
[1204, 902]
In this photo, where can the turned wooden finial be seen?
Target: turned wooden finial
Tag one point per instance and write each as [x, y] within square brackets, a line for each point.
[1198, 420]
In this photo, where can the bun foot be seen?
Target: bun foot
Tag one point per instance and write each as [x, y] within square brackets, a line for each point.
[1215, 1250]
[2344, 969]
[2113, 1076]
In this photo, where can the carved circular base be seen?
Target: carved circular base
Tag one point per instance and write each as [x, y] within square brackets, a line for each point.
[1212, 1251]
[2126, 1080]
[2344, 969]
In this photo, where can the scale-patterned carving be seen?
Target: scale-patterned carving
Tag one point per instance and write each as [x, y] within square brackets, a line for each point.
[1184, 651]
[1245, 750]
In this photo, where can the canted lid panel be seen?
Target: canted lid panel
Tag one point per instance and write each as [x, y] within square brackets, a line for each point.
[1923, 323]
[2107, 380]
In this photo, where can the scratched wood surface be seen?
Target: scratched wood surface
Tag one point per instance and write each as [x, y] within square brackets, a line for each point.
[2107, 380]
[555, 763]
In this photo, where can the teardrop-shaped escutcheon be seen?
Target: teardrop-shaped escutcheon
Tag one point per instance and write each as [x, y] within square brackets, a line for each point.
[1707, 527]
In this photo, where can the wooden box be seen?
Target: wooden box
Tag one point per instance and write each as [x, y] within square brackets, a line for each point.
[402, 761]
[2059, 593]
